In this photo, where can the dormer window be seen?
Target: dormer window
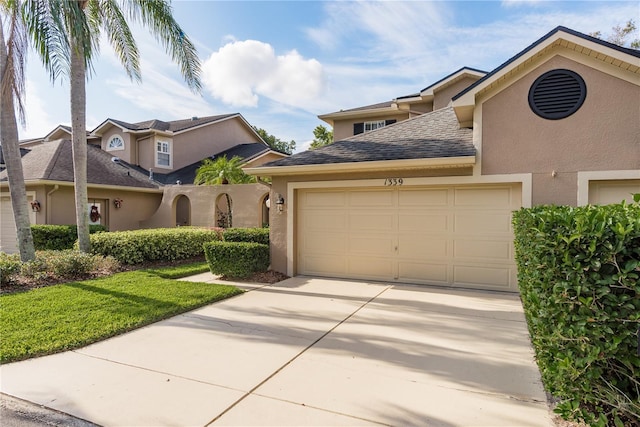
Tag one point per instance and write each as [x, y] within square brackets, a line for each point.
[359, 128]
[163, 154]
[115, 143]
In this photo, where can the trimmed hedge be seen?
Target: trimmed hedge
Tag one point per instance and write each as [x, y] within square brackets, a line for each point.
[252, 235]
[58, 237]
[578, 271]
[237, 259]
[161, 244]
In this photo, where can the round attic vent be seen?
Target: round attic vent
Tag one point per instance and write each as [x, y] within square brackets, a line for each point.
[557, 94]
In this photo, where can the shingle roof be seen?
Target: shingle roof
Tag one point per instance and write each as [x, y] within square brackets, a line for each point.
[369, 107]
[53, 161]
[173, 126]
[431, 135]
[187, 174]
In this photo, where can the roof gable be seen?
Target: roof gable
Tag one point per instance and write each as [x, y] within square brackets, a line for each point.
[560, 36]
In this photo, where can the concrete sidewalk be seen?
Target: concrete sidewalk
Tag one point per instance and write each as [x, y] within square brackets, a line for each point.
[305, 351]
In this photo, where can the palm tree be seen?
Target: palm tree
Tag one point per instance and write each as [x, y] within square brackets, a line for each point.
[12, 52]
[221, 172]
[82, 21]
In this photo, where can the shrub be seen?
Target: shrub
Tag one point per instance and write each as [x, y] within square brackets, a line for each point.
[578, 272]
[252, 235]
[162, 244]
[237, 259]
[9, 267]
[58, 237]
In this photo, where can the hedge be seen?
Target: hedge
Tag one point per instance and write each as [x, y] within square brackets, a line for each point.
[252, 235]
[58, 237]
[236, 259]
[578, 271]
[162, 244]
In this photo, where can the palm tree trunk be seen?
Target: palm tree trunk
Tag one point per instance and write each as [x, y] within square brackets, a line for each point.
[77, 83]
[229, 216]
[12, 158]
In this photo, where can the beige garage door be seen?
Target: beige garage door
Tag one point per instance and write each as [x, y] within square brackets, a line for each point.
[608, 192]
[8, 238]
[452, 236]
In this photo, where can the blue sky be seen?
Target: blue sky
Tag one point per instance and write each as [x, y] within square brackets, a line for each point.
[280, 64]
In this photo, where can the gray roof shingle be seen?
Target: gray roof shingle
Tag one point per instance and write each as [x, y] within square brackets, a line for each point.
[431, 135]
[53, 161]
[173, 126]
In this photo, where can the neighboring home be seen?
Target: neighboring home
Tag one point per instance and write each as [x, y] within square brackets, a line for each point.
[140, 175]
[359, 120]
[428, 200]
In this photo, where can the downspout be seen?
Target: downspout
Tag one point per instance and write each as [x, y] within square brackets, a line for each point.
[55, 188]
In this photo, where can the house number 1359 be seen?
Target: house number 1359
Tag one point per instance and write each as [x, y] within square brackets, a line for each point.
[390, 182]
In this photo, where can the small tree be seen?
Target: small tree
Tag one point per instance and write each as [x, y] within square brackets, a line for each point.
[222, 171]
[276, 143]
[323, 136]
[620, 35]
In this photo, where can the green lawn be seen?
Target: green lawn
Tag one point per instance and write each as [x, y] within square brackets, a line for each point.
[62, 317]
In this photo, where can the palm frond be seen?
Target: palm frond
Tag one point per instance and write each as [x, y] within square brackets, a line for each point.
[16, 48]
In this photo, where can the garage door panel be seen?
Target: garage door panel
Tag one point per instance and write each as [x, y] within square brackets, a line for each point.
[370, 267]
[371, 199]
[371, 245]
[423, 222]
[323, 220]
[486, 276]
[482, 250]
[321, 243]
[490, 198]
[323, 265]
[423, 197]
[372, 221]
[483, 223]
[423, 272]
[422, 249]
[324, 199]
[614, 191]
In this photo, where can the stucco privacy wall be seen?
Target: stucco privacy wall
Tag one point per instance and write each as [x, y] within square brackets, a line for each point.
[280, 185]
[247, 201]
[604, 134]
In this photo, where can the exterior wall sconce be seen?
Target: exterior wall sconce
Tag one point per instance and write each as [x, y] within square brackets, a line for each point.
[279, 202]
[117, 203]
[35, 206]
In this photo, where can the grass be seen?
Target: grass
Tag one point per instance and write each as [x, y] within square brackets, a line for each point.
[181, 270]
[71, 315]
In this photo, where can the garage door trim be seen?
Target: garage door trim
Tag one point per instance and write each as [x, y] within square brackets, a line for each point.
[584, 179]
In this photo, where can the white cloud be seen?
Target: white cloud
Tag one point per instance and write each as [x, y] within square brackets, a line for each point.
[242, 71]
[39, 121]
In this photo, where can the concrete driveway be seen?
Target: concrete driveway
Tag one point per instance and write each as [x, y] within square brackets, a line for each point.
[306, 351]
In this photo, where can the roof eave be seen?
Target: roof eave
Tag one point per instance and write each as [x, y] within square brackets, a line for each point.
[341, 115]
[89, 185]
[380, 165]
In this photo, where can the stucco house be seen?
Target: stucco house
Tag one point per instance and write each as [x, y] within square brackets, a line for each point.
[140, 175]
[428, 199]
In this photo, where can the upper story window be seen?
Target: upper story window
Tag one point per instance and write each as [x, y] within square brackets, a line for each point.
[369, 126]
[115, 143]
[163, 153]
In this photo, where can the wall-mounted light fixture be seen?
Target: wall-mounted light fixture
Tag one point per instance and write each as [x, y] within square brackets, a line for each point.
[279, 202]
[35, 206]
[117, 202]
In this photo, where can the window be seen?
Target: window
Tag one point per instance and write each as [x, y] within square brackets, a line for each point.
[359, 128]
[369, 126]
[115, 143]
[163, 153]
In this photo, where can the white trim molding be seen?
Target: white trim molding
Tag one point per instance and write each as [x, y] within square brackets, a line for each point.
[584, 179]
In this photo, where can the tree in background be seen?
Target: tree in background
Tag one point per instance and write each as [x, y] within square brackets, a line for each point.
[620, 35]
[323, 136]
[222, 171]
[81, 23]
[275, 143]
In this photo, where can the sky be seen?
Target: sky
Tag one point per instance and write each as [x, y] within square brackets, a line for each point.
[282, 63]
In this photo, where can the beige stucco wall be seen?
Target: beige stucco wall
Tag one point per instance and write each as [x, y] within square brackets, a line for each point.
[128, 153]
[278, 220]
[246, 198]
[58, 206]
[344, 128]
[442, 98]
[604, 134]
[420, 107]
